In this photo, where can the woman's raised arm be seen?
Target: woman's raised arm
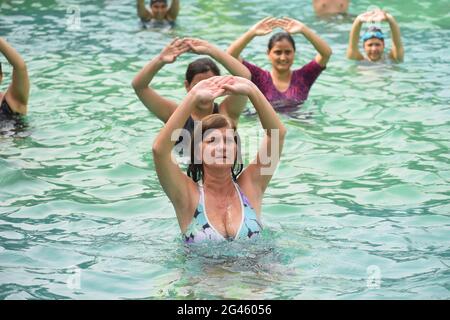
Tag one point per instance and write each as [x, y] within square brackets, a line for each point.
[18, 91]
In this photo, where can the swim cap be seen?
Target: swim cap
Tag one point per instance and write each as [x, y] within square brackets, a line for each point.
[372, 32]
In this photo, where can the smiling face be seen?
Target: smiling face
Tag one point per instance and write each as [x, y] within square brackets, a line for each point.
[281, 55]
[374, 49]
[214, 147]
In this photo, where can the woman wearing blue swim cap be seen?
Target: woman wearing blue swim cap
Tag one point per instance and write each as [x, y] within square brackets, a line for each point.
[373, 38]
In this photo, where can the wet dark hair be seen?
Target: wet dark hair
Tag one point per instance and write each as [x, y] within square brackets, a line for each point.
[374, 29]
[201, 65]
[213, 121]
[152, 2]
[278, 37]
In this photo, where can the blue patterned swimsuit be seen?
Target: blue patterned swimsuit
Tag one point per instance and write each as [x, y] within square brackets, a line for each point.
[200, 229]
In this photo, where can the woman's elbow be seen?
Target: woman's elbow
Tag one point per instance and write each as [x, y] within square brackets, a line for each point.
[329, 52]
[157, 149]
[135, 84]
[232, 52]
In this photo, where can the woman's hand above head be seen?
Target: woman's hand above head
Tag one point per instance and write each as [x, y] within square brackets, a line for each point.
[376, 15]
[291, 25]
[173, 50]
[364, 17]
[209, 89]
[238, 86]
[265, 26]
[385, 16]
[261, 28]
[198, 46]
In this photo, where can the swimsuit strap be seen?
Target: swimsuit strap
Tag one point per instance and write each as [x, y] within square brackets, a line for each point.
[5, 108]
[216, 108]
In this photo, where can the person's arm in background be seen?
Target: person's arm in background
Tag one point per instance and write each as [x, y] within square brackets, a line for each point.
[261, 28]
[158, 105]
[142, 10]
[18, 91]
[233, 105]
[397, 51]
[293, 26]
[174, 9]
[353, 52]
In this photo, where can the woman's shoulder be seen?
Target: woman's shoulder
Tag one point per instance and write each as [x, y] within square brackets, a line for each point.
[310, 70]
[254, 68]
[310, 66]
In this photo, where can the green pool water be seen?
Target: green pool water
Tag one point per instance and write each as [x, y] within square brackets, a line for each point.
[359, 207]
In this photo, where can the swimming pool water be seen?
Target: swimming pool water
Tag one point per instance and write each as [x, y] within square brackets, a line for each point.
[358, 209]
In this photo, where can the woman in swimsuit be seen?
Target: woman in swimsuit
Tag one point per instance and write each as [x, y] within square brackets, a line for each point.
[373, 38]
[15, 99]
[282, 86]
[215, 201]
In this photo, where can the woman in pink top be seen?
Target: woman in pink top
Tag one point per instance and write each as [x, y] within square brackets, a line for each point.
[285, 88]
